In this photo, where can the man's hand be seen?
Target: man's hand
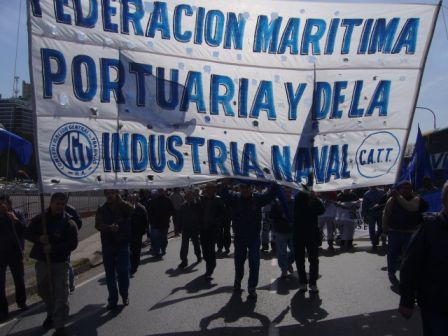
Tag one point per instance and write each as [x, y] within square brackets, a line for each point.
[406, 312]
[44, 239]
[12, 216]
[47, 249]
[114, 227]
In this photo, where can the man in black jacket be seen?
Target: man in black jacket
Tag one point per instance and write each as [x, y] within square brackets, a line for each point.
[139, 224]
[246, 219]
[113, 220]
[54, 244]
[306, 236]
[160, 210]
[190, 222]
[12, 226]
[424, 273]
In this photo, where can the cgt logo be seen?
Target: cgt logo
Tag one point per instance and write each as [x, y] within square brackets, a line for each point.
[74, 150]
[378, 154]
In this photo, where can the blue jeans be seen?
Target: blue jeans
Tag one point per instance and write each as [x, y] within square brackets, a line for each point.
[242, 246]
[116, 264]
[375, 221]
[285, 258]
[159, 239]
[434, 324]
[398, 242]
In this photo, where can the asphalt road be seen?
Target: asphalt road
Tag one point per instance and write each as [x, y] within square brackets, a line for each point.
[355, 299]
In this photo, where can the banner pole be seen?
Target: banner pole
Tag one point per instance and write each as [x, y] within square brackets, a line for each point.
[36, 153]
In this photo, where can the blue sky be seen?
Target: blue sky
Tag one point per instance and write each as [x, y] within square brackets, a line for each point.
[433, 93]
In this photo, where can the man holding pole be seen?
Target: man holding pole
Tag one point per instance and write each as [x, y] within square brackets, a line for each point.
[55, 236]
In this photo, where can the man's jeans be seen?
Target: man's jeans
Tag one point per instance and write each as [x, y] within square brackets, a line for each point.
[116, 263]
[285, 258]
[398, 242]
[242, 246]
[159, 239]
[375, 228]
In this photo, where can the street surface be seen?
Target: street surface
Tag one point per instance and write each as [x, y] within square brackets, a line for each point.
[355, 299]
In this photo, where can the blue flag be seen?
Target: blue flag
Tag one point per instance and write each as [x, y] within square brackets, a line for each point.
[420, 164]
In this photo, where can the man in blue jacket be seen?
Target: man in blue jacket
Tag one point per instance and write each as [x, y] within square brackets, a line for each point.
[424, 273]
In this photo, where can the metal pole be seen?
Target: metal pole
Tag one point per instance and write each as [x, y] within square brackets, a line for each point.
[433, 114]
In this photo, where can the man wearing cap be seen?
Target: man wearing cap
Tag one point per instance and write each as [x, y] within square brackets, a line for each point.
[401, 217]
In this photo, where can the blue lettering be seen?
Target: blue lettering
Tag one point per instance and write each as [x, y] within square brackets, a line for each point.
[200, 21]
[134, 17]
[250, 161]
[383, 36]
[354, 111]
[264, 100]
[281, 163]
[214, 28]
[243, 96]
[108, 12]
[225, 99]
[120, 152]
[331, 37]
[35, 6]
[333, 164]
[338, 98]
[320, 163]
[322, 100]
[290, 38]
[236, 168]
[408, 37]
[86, 62]
[193, 92]
[140, 71]
[217, 156]
[159, 21]
[294, 98]
[50, 77]
[173, 142]
[157, 158]
[162, 83]
[107, 85]
[107, 161]
[177, 23]
[349, 25]
[59, 14]
[380, 99]
[195, 143]
[311, 37]
[91, 19]
[266, 34]
[234, 31]
[139, 146]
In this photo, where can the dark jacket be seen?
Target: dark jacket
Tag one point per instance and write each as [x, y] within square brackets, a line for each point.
[306, 212]
[139, 222]
[280, 221]
[75, 215]
[190, 217]
[160, 209]
[10, 243]
[424, 273]
[213, 213]
[120, 213]
[63, 237]
[246, 212]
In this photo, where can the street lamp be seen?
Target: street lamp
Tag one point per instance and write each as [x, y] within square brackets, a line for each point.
[433, 114]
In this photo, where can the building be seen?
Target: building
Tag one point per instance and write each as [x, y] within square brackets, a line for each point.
[16, 115]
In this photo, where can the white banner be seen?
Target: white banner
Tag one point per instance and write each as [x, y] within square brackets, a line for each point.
[140, 94]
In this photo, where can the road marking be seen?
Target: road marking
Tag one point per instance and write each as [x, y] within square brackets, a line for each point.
[90, 280]
[273, 289]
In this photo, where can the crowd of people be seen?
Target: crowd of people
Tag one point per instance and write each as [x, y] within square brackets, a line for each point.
[291, 222]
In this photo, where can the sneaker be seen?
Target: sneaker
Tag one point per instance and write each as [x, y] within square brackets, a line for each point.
[60, 332]
[48, 323]
[252, 294]
[163, 252]
[126, 301]
[290, 269]
[303, 287]
[314, 289]
[71, 288]
[284, 274]
[208, 276]
[265, 247]
[199, 259]
[183, 264]
[219, 251]
[227, 251]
